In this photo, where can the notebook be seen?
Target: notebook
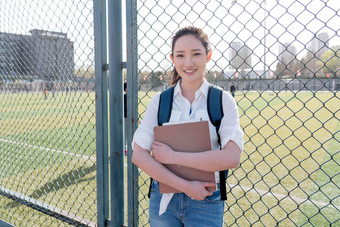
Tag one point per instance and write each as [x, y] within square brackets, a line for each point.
[186, 137]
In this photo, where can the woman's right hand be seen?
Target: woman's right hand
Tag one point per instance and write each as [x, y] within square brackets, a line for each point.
[198, 189]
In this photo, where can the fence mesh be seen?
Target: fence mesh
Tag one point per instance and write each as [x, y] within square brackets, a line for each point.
[283, 57]
[47, 113]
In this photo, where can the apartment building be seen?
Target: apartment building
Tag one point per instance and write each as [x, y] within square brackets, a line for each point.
[42, 55]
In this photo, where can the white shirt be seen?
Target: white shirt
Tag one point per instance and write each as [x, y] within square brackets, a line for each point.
[182, 110]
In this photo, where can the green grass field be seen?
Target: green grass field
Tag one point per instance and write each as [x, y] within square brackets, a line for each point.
[288, 175]
[48, 153]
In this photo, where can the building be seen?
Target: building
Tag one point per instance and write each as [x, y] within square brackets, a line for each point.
[288, 64]
[9, 51]
[287, 53]
[240, 56]
[42, 55]
[319, 44]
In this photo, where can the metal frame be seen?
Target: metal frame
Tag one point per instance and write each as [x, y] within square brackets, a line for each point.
[116, 112]
[132, 109]
[101, 112]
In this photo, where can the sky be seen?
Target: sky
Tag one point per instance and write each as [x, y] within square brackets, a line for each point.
[225, 21]
[228, 21]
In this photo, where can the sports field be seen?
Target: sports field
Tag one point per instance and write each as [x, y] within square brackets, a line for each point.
[289, 171]
[48, 153]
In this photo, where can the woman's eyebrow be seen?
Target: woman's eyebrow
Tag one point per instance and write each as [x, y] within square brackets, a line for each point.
[181, 51]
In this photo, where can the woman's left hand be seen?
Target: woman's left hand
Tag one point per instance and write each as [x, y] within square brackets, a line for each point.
[163, 153]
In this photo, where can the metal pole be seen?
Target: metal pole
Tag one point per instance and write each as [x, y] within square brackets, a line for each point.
[264, 42]
[132, 109]
[101, 111]
[116, 112]
[5, 224]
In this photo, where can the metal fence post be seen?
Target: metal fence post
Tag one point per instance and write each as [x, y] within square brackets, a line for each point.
[116, 112]
[101, 111]
[132, 109]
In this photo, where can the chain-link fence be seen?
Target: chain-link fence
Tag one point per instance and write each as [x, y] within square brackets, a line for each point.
[47, 113]
[283, 57]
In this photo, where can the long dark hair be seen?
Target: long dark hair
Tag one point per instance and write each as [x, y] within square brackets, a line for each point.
[190, 30]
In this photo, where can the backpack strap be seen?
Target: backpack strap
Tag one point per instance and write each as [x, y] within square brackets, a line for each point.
[165, 106]
[164, 113]
[215, 111]
[215, 108]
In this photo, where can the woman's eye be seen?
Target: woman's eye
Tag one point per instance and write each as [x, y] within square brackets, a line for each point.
[179, 55]
[197, 54]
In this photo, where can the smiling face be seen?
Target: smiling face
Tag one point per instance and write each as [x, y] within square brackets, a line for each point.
[190, 58]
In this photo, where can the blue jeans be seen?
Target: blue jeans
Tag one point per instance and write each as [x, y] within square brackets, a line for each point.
[184, 211]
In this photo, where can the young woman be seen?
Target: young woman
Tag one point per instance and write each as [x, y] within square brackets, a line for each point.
[196, 206]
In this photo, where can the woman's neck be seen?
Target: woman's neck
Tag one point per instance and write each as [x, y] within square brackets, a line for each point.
[189, 89]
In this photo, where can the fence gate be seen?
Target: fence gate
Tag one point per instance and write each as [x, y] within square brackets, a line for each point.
[283, 57]
[57, 157]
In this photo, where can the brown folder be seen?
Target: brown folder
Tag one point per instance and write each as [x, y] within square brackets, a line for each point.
[186, 137]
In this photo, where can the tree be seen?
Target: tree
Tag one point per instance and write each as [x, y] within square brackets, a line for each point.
[281, 69]
[156, 78]
[143, 77]
[330, 61]
[298, 67]
[84, 72]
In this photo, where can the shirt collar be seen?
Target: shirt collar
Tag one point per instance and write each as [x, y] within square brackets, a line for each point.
[203, 89]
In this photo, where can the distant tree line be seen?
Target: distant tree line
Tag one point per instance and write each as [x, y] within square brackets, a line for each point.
[327, 63]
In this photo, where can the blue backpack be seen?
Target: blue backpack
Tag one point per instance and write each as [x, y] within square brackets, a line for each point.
[215, 112]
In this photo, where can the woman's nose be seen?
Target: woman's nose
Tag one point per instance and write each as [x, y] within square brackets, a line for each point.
[188, 61]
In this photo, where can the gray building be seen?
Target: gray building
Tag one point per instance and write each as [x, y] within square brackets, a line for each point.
[287, 53]
[240, 56]
[320, 44]
[41, 55]
[9, 50]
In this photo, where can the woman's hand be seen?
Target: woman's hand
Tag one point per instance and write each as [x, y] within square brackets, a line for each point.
[163, 153]
[198, 189]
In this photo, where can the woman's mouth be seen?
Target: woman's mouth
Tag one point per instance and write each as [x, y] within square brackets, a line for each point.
[190, 71]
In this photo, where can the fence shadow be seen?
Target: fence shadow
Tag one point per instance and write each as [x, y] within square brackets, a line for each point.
[74, 176]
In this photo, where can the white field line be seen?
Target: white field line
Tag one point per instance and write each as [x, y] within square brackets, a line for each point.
[283, 197]
[48, 149]
[245, 189]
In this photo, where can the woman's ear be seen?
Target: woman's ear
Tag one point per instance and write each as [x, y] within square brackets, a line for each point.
[209, 56]
[172, 58]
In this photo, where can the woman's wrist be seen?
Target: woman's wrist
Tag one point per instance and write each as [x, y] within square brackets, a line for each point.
[178, 158]
[183, 185]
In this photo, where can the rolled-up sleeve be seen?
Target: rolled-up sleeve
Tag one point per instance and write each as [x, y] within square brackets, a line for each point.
[230, 125]
[144, 135]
